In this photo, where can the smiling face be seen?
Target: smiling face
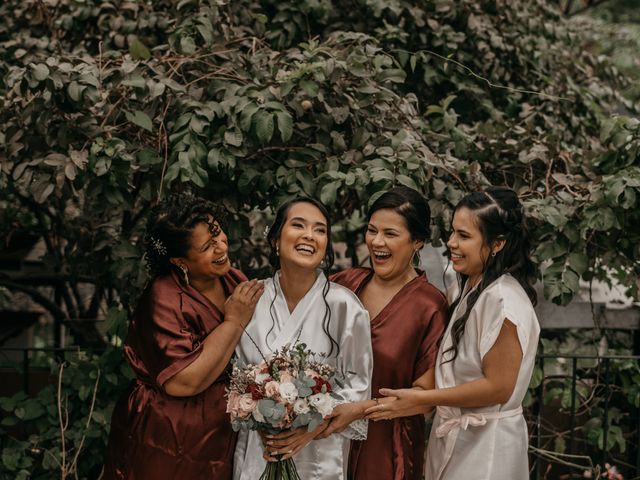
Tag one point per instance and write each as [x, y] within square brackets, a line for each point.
[467, 247]
[303, 238]
[207, 255]
[390, 244]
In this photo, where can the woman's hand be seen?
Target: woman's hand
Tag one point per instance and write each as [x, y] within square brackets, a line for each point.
[242, 302]
[405, 402]
[285, 445]
[342, 416]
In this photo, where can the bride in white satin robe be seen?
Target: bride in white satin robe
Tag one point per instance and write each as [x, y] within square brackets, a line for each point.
[275, 324]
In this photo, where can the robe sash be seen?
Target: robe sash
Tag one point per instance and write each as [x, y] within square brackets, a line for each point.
[467, 420]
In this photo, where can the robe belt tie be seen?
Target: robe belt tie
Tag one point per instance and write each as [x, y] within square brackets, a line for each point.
[470, 420]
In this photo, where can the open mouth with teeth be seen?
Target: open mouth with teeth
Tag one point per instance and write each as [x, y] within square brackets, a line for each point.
[305, 249]
[221, 260]
[378, 255]
[455, 257]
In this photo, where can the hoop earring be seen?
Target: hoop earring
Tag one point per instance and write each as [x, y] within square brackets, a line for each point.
[493, 254]
[185, 274]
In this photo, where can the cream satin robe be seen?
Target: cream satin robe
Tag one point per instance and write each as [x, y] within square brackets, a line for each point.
[489, 442]
[326, 458]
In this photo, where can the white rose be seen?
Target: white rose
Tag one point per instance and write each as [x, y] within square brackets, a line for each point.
[288, 392]
[301, 406]
[257, 414]
[322, 403]
[262, 377]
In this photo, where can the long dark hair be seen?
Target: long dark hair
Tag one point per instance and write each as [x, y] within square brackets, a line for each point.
[170, 226]
[500, 216]
[411, 205]
[272, 237]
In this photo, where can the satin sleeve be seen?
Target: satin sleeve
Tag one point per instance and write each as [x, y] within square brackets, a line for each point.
[169, 343]
[500, 303]
[355, 361]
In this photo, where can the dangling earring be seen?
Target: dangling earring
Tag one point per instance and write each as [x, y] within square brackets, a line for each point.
[322, 263]
[413, 260]
[277, 251]
[185, 274]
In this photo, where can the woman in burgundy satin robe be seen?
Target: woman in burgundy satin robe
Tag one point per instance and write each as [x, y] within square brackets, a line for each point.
[408, 317]
[172, 422]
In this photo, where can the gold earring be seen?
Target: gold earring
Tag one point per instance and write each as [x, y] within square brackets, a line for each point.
[185, 274]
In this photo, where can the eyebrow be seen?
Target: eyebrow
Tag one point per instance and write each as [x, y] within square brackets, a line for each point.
[204, 245]
[304, 220]
[390, 229]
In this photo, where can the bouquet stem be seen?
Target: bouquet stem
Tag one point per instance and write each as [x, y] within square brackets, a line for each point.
[280, 470]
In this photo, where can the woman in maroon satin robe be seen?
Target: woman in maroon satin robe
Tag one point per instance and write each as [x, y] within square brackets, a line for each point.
[172, 421]
[408, 317]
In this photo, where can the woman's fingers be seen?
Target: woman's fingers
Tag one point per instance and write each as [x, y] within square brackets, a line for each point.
[388, 392]
[255, 292]
[286, 435]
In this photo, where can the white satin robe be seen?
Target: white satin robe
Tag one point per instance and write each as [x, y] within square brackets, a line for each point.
[475, 445]
[349, 326]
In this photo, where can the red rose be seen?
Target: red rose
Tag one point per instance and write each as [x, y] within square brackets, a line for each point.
[317, 388]
[255, 391]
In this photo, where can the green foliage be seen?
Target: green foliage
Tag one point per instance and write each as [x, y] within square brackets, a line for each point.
[255, 102]
[600, 384]
[76, 407]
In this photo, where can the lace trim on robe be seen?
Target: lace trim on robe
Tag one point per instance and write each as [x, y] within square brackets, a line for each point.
[357, 430]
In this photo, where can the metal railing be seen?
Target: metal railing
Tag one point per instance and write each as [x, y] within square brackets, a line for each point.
[595, 374]
[566, 372]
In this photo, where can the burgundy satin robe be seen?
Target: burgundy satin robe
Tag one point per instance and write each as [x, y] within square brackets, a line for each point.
[404, 336]
[155, 436]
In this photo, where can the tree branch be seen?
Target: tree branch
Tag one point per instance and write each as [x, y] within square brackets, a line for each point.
[37, 297]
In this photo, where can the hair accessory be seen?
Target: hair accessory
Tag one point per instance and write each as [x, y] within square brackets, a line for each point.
[158, 246]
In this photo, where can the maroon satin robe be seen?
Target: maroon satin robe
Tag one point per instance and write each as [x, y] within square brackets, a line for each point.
[155, 436]
[404, 336]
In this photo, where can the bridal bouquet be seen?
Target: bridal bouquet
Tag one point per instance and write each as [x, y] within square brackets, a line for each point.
[288, 391]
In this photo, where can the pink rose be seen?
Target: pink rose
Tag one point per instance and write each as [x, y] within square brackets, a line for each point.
[246, 405]
[233, 404]
[272, 389]
[311, 373]
[286, 377]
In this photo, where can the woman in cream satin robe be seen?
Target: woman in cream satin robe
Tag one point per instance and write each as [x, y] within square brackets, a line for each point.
[301, 305]
[487, 354]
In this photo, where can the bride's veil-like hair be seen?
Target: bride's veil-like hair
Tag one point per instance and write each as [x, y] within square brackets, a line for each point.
[274, 233]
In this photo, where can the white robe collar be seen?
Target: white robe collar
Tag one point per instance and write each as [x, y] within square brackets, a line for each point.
[288, 325]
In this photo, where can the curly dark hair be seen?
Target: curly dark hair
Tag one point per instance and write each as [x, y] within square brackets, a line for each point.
[170, 227]
[500, 215]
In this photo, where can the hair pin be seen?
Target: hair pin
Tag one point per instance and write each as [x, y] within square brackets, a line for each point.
[158, 246]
